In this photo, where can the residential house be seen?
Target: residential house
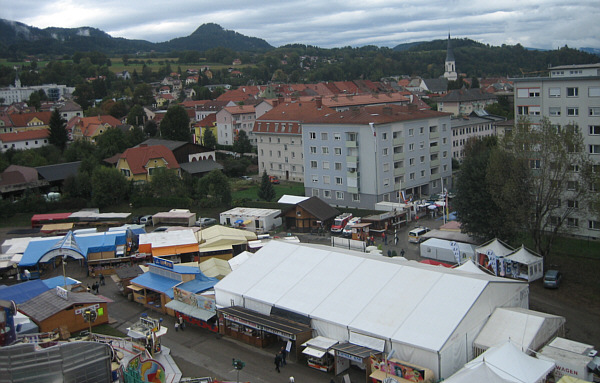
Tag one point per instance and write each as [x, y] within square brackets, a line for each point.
[200, 128]
[210, 107]
[278, 135]
[140, 163]
[20, 122]
[464, 101]
[88, 128]
[570, 95]
[359, 157]
[434, 85]
[70, 109]
[308, 214]
[27, 139]
[182, 150]
[232, 119]
[477, 125]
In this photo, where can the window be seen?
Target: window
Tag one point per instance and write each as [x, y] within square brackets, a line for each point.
[554, 220]
[385, 151]
[594, 111]
[338, 166]
[325, 149]
[339, 181]
[535, 164]
[422, 173]
[594, 130]
[421, 130]
[312, 135]
[411, 161]
[572, 111]
[337, 136]
[575, 168]
[572, 185]
[411, 176]
[594, 225]
[528, 92]
[356, 197]
[411, 147]
[313, 150]
[326, 165]
[572, 222]
[573, 92]
[327, 193]
[337, 151]
[384, 136]
[411, 132]
[535, 110]
[522, 110]
[386, 182]
[313, 164]
[594, 149]
[433, 129]
[574, 204]
[594, 91]
[422, 159]
[554, 111]
[421, 144]
[386, 167]
[444, 154]
[326, 180]
[315, 178]
[126, 172]
[315, 192]
[324, 136]
[339, 195]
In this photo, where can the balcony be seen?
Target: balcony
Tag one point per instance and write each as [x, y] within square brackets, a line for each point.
[436, 176]
[352, 161]
[434, 163]
[434, 135]
[398, 141]
[434, 149]
[352, 144]
[399, 171]
[398, 156]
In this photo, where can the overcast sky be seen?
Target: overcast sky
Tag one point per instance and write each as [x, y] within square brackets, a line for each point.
[546, 24]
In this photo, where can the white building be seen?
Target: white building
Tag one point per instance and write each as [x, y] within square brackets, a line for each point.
[570, 95]
[28, 139]
[232, 119]
[253, 219]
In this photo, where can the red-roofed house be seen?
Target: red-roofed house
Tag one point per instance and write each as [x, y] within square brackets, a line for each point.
[88, 128]
[139, 164]
[27, 139]
[29, 121]
[231, 120]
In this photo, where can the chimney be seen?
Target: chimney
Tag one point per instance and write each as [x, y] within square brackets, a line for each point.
[281, 100]
[275, 103]
[319, 102]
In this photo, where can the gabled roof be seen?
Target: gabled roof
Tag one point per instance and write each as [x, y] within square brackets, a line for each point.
[48, 303]
[22, 119]
[204, 166]
[169, 144]
[59, 171]
[138, 157]
[319, 208]
[25, 135]
[287, 117]
[436, 85]
[28, 174]
[240, 109]
[464, 95]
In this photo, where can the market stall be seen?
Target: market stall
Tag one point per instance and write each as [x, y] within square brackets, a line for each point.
[319, 353]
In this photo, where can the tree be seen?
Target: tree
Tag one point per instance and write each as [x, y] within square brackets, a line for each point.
[176, 124]
[561, 175]
[118, 110]
[209, 140]
[474, 82]
[58, 133]
[242, 143]
[109, 187]
[151, 128]
[166, 183]
[134, 136]
[111, 142]
[215, 188]
[136, 116]
[266, 191]
[142, 94]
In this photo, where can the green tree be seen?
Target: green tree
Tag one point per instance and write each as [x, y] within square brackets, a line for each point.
[176, 124]
[242, 143]
[215, 188]
[134, 136]
[151, 128]
[209, 140]
[118, 110]
[109, 187]
[111, 142]
[29, 157]
[474, 82]
[136, 116]
[58, 132]
[78, 150]
[166, 183]
[561, 174]
[266, 192]
[202, 93]
[142, 94]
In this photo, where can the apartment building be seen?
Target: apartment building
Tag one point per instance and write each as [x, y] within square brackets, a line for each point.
[279, 137]
[569, 95]
[473, 126]
[232, 119]
[362, 156]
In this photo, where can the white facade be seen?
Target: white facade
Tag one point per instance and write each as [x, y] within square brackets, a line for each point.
[24, 140]
[253, 219]
[231, 120]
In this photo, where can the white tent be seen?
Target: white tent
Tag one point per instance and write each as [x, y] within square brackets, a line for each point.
[491, 254]
[480, 373]
[356, 297]
[526, 264]
[470, 267]
[509, 363]
[529, 330]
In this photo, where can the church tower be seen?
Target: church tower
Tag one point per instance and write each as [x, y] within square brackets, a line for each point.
[17, 79]
[450, 66]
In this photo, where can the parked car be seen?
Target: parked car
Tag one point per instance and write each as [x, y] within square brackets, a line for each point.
[416, 234]
[135, 219]
[161, 228]
[146, 220]
[274, 180]
[246, 178]
[552, 279]
[204, 222]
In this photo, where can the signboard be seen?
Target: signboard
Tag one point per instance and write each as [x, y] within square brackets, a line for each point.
[82, 310]
[62, 293]
[163, 262]
[257, 326]
[456, 251]
[344, 355]
[194, 300]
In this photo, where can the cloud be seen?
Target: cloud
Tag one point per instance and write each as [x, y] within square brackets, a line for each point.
[532, 23]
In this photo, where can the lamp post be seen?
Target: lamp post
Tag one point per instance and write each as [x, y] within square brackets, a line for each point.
[238, 365]
[64, 261]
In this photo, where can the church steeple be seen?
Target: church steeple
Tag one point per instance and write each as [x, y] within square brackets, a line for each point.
[17, 79]
[450, 65]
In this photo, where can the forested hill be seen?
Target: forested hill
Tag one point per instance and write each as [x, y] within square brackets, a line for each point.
[18, 39]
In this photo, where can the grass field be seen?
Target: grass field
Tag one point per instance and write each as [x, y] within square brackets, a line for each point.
[249, 190]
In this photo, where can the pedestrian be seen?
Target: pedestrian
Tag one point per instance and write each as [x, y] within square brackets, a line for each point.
[181, 323]
[97, 287]
[384, 238]
[277, 362]
[292, 379]
[395, 239]
[176, 326]
[283, 356]
[89, 289]
[102, 279]
[402, 253]
[372, 240]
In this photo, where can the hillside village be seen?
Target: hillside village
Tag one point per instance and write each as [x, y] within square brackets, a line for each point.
[392, 148]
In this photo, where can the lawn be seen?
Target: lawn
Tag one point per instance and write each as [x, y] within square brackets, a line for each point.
[249, 190]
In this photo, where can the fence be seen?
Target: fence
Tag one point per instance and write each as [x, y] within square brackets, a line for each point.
[348, 243]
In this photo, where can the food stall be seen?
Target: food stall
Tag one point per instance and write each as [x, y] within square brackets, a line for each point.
[319, 354]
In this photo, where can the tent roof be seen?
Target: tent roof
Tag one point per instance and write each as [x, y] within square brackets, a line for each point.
[480, 373]
[500, 249]
[525, 328]
[24, 291]
[199, 284]
[512, 364]
[524, 256]
[157, 283]
[236, 261]
[168, 239]
[470, 267]
[292, 199]
[215, 267]
[350, 288]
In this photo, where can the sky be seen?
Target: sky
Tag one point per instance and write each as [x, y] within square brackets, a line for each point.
[543, 24]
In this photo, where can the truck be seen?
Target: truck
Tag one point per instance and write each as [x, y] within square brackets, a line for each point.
[572, 358]
[340, 222]
[347, 232]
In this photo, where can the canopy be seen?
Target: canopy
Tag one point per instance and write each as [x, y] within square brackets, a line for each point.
[470, 267]
[500, 249]
[524, 256]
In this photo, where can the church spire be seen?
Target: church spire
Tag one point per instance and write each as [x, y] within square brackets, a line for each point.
[450, 65]
[449, 53]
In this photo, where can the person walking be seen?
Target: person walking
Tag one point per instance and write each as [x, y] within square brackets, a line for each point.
[384, 238]
[277, 362]
[181, 323]
[176, 326]
[102, 279]
[402, 253]
[283, 356]
[292, 379]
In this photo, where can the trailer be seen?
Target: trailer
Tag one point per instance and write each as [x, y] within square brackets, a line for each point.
[571, 359]
[443, 251]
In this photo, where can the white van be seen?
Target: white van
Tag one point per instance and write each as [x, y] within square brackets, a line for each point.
[416, 234]
[347, 231]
